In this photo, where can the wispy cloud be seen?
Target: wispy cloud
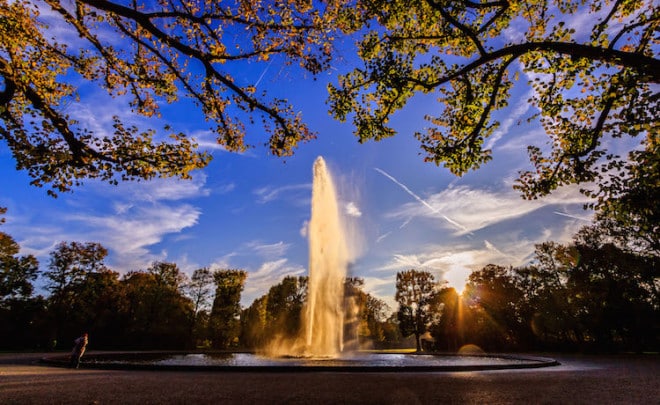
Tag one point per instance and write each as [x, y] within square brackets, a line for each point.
[167, 189]
[433, 209]
[267, 275]
[268, 250]
[129, 219]
[352, 210]
[478, 208]
[520, 110]
[132, 233]
[269, 193]
[383, 236]
[224, 261]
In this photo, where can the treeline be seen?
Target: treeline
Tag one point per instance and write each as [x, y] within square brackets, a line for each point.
[158, 307]
[155, 308]
[585, 296]
[599, 293]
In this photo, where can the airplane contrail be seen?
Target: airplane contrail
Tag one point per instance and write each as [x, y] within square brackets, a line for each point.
[381, 237]
[421, 200]
[571, 216]
[263, 74]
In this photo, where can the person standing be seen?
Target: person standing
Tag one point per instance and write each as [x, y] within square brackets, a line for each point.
[79, 346]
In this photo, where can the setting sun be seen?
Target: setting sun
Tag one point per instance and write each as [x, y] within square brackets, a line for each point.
[457, 278]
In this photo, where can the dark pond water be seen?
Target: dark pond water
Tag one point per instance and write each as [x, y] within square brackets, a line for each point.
[363, 361]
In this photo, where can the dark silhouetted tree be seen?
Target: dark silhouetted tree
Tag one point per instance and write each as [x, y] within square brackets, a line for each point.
[69, 265]
[448, 330]
[224, 321]
[158, 313]
[415, 292]
[98, 306]
[22, 316]
[627, 203]
[17, 273]
[200, 291]
[497, 292]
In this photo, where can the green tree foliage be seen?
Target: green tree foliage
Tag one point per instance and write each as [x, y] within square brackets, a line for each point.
[277, 313]
[588, 295]
[97, 308]
[415, 294]
[71, 261]
[151, 54]
[224, 321]
[69, 265]
[199, 290]
[365, 317]
[627, 204]
[255, 332]
[17, 273]
[284, 305]
[587, 81]
[158, 313]
[22, 316]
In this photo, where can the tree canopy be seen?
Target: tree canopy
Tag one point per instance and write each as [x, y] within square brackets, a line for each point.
[589, 78]
[168, 50]
[415, 294]
[16, 272]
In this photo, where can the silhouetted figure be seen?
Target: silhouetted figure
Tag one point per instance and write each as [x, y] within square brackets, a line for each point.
[79, 346]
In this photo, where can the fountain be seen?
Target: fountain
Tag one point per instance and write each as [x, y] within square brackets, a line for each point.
[321, 335]
[319, 346]
[323, 322]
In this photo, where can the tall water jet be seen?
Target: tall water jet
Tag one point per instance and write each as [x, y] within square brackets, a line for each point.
[323, 321]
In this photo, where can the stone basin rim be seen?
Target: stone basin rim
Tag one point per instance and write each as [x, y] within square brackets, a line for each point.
[526, 362]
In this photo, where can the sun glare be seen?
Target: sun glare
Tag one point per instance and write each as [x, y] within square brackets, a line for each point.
[457, 278]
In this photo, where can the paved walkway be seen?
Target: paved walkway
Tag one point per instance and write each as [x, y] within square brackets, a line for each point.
[624, 379]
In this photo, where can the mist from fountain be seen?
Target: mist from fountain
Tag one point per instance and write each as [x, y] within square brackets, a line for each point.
[321, 335]
[323, 322]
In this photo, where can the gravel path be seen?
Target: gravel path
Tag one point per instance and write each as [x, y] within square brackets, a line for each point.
[624, 379]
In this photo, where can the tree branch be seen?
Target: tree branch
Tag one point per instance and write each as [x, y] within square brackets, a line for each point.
[464, 29]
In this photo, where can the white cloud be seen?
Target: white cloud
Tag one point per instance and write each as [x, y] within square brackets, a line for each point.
[383, 236]
[223, 262]
[476, 209]
[225, 189]
[304, 228]
[132, 233]
[519, 110]
[166, 189]
[269, 193]
[423, 202]
[352, 210]
[267, 275]
[271, 250]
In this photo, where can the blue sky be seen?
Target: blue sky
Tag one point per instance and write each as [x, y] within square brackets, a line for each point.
[250, 210]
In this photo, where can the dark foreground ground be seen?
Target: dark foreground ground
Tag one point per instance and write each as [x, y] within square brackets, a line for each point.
[622, 379]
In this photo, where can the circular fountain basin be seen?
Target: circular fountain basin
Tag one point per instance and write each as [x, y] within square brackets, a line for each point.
[356, 362]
